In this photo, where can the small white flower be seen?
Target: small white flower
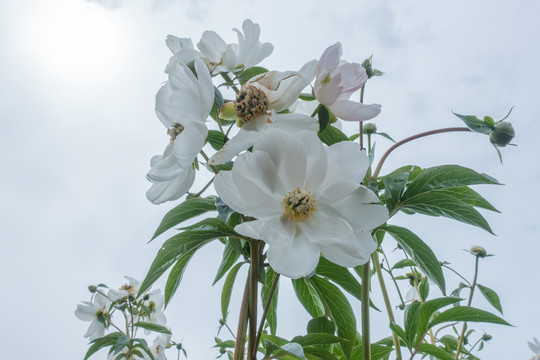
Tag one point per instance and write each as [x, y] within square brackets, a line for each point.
[155, 303]
[129, 288]
[535, 348]
[160, 345]
[259, 104]
[336, 81]
[307, 200]
[228, 57]
[183, 105]
[96, 312]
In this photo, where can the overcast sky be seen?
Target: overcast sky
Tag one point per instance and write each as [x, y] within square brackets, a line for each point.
[77, 130]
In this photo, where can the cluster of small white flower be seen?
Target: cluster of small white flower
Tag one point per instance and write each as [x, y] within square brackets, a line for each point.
[336, 213]
[145, 311]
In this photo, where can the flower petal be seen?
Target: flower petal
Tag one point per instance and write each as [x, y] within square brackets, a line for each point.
[243, 140]
[350, 253]
[354, 111]
[189, 143]
[161, 192]
[296, 259]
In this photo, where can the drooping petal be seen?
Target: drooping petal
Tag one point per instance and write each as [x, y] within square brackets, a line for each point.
[350, 253]
[277, 230]
[161, 192]
[353, 76]
[189, 143]
[243, 140]
[212, 46]
[361, 210]
[354, 111]
[295, 122]
[164, 168]
[162, 108]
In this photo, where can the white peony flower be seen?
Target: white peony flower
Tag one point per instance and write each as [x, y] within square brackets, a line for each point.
[306, 199]
[228, 57]
[259, 104]
[96, 312]
[155, 304]
[183, 105]
[535, 348]
[336, 81]
[159, 345]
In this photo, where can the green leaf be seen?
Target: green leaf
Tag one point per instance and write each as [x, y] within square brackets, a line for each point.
[177, 272]
[188, 209]
[332, 135]
[465, 313]
[396, 329]
[227, 290]
[340, 311]
[411, 322]
[491, 296]
[294, 349]
[403, 264]
[324, 118]
[194, 236]
[99, 343]
[218, 103]
[246, 75]
[271, 316]
[445, 176]
[435, 351]
[467, 195]
[230, 255]
[427, 309]
[153, 327]
[385, 135]
[316, 339]
[308, 297]
[306, 97]
[377, 352]
[321, 324]
[423, 289]
[216, 139]
[121, 343]
[394, 185]
[475, 124]
[317, 353]
[450, 342]
[420, 253]
[437, 203]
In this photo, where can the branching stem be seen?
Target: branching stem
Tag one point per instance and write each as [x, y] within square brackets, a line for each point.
[265, 312]
[473, 286]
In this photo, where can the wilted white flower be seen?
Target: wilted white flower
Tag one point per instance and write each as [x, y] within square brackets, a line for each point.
[535, 348]
[258, 106]
[227, 57]
[336, 81]
[97, 313]
[183, 105]
[306, 199]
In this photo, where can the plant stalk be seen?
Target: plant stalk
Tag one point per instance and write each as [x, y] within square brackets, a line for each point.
[366, 275]
[387, 303]
[265, 312]
[242, 324]
[254, 280]
[411, 138]
[473, 286]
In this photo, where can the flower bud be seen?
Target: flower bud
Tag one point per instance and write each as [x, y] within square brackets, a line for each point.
[501, 134]
[369, 128]
[479, 251]
[228, 112]
[221, 322]
[222, 350]
[486, 337]
[92, 288]
[146, 297]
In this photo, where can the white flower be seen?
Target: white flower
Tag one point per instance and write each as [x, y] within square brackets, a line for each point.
[412, 294]
[183, 105]
[183, 51]
[155, 304]
[336, 81]
[227, 57]
[97, 313]
[307, 200]
[129, 288]
[159, 345]
[535, 348]
[259, 104]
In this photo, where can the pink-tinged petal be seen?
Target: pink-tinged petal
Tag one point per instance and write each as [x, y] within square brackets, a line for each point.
[278, 231]
[328, 89]
[353, 76]
[353, 111]
[330, 59]
[296, 259]
[345, 252]
[243, 140]
[189, 143]
[161, 192]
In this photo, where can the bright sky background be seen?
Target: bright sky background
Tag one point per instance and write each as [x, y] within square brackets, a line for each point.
[77, 130]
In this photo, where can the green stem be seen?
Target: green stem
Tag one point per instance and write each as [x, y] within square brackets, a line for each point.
[254, 281]
[229, 81]
[473, 286]
[361, 124]
[393, 278]
[414, 137]
[366, 275]
[204, 188]
[387, 303]
[265, 312]
[211, 166]
[242, 324]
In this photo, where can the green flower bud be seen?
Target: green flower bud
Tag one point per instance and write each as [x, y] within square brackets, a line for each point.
[501, 134]
[479, 251]
[369, 128]
[221, 322]
[487, 337]
[92, 288]
[222, 350]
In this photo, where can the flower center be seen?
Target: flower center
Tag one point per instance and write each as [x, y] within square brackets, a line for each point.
[299, 205]
[175, 130]
[128, 287]
[250, 103]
